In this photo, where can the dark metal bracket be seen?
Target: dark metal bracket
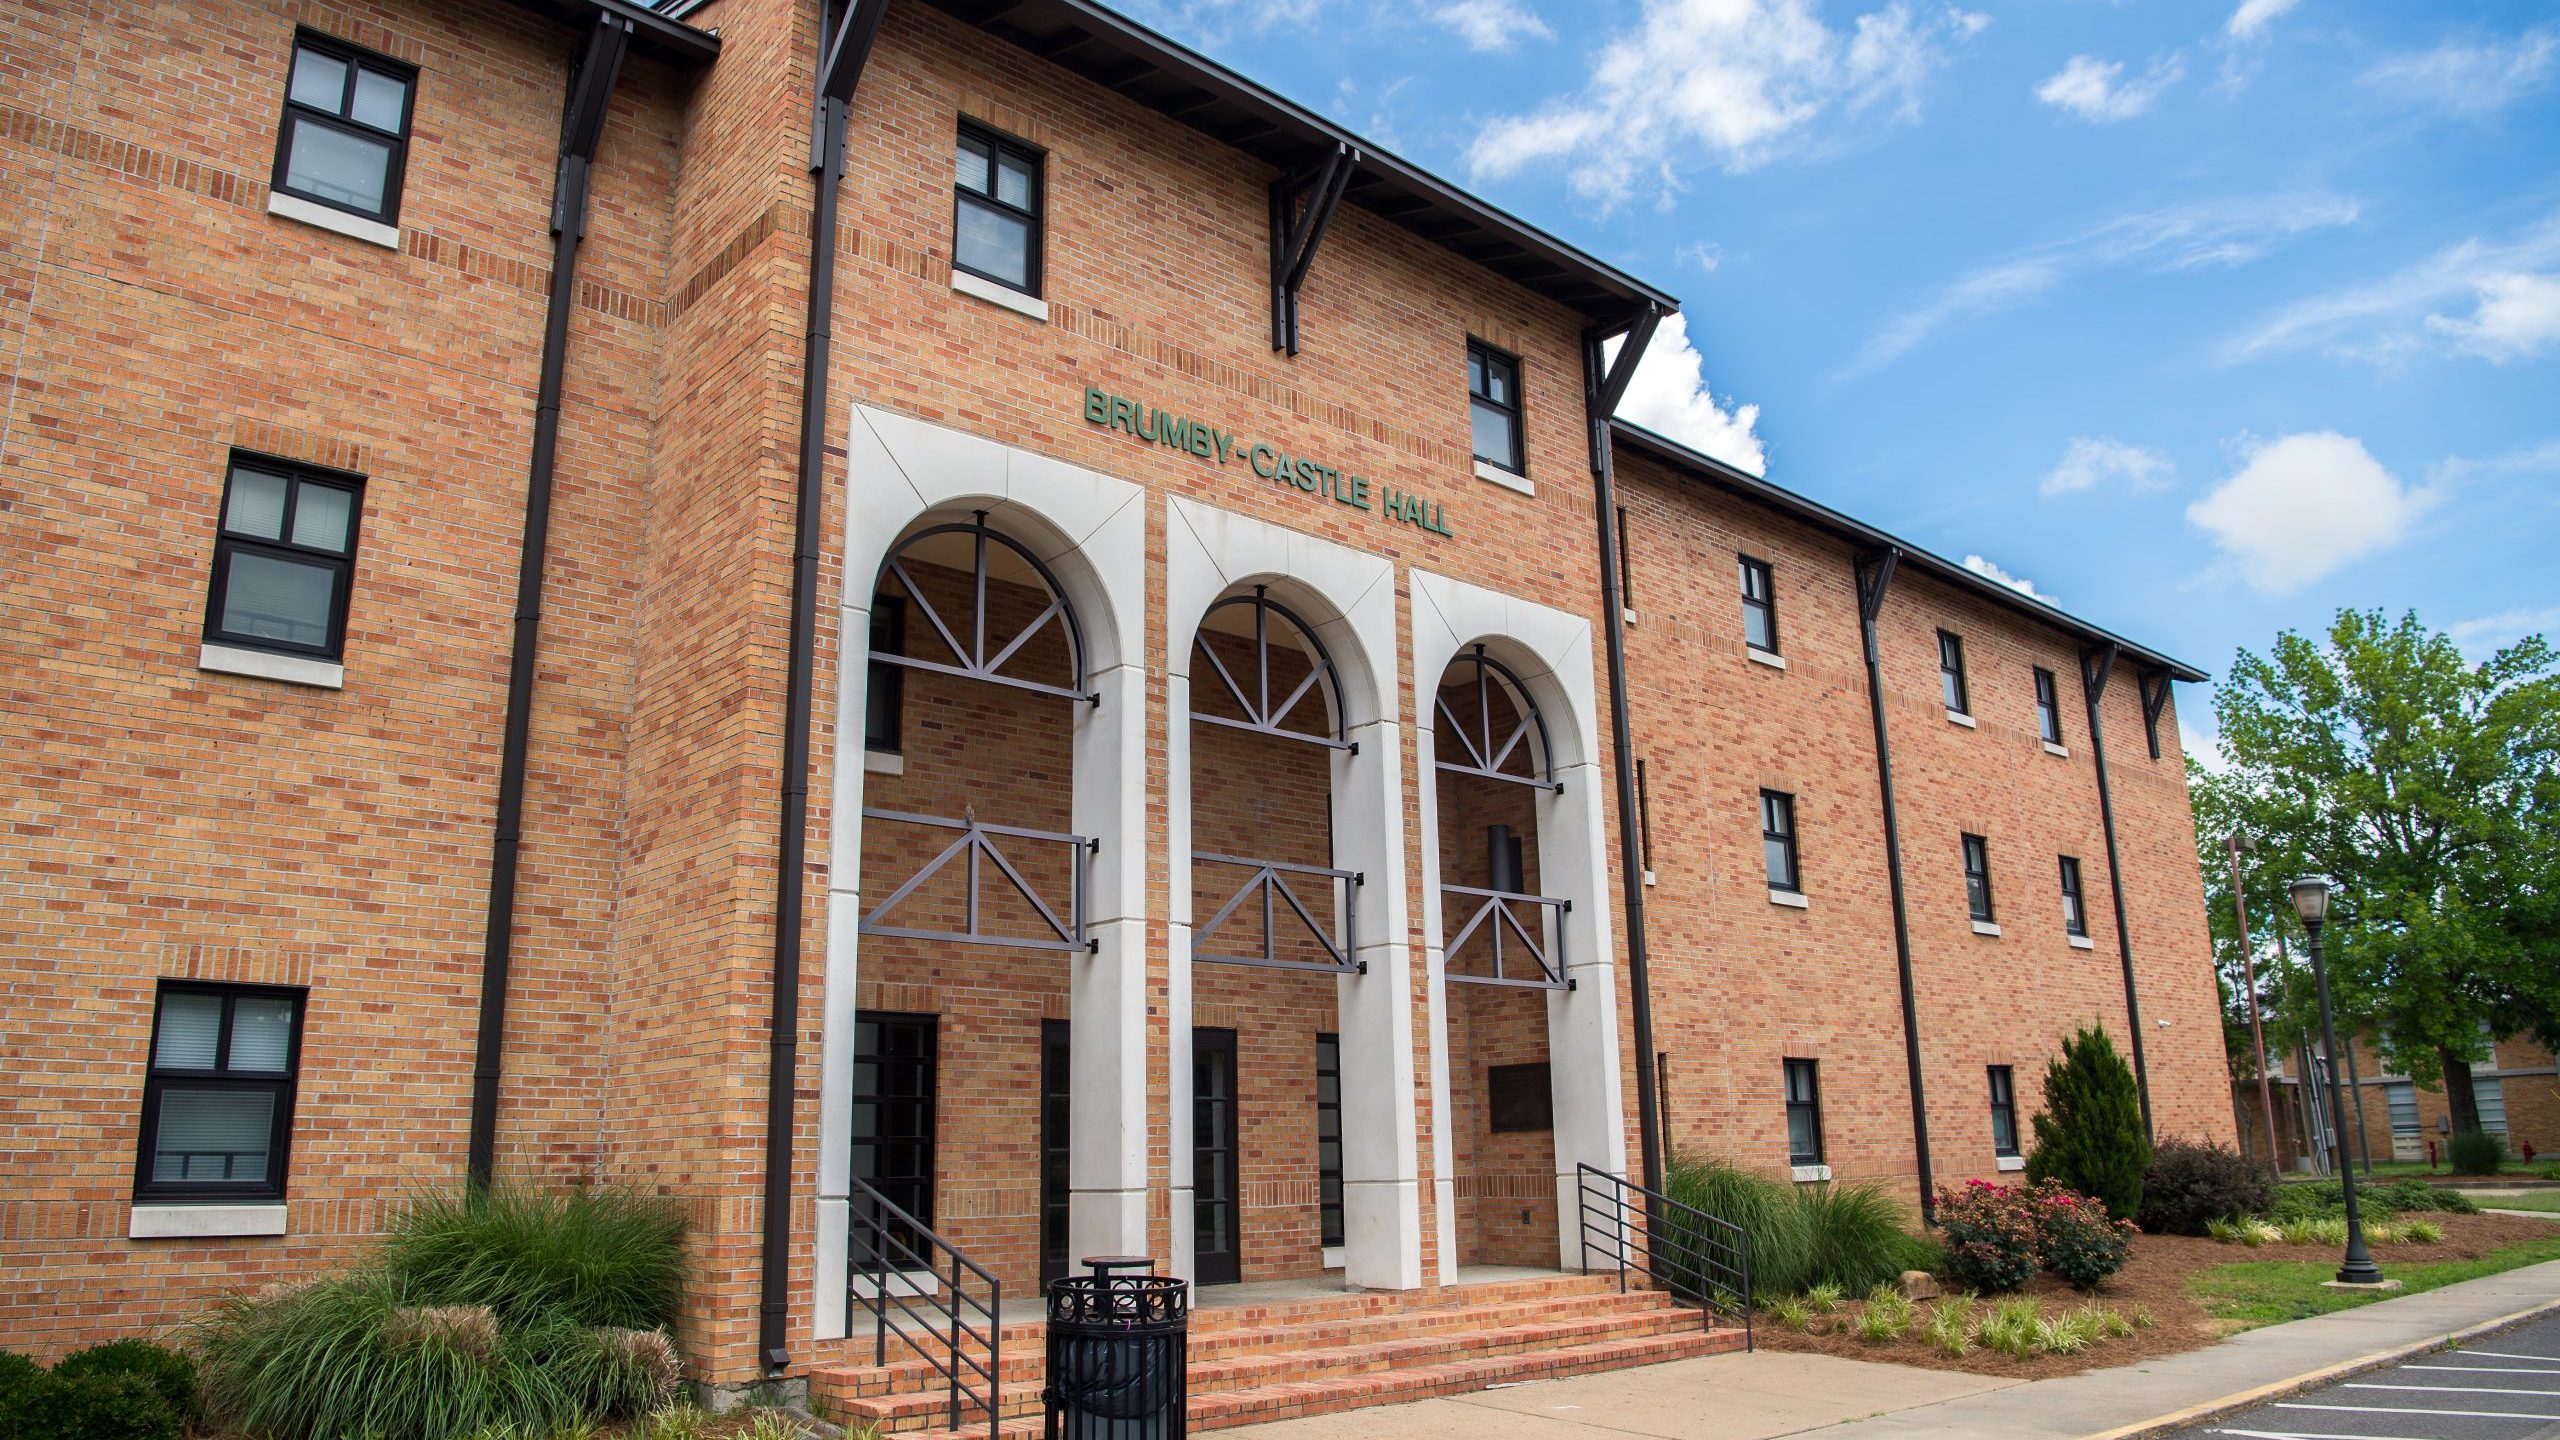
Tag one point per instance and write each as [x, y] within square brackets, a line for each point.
[1269, 883]
[582, 123]
[1495, 907]
[1302, 206]
[2097, 667]
[2155, 698]
[1607, 385]
[848, 49]
[1875, 578]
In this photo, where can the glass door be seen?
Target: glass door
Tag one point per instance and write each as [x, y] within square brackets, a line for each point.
[1055, 1107]
[1216, 1250]
[893, 1083]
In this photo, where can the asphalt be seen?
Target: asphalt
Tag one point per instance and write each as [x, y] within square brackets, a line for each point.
[2500, 1387]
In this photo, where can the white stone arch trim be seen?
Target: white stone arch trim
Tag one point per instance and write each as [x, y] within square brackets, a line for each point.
[1349, 597]
[1091, 531]
[1551, 650]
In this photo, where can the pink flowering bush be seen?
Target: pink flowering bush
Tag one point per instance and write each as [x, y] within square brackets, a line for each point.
[1998, 1236]
[2075, 1238]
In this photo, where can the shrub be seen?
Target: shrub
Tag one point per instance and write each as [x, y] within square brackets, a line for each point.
[171, 1375]
[16, 1373]
[602, 1256]
[1780, 1234]
[101, 1405]
[2089, 1136]
[2190, 1184]
[2075, 1239]
[1856, 1236]
[2422, 1232]
[2475, 1152]
[1990, 1236]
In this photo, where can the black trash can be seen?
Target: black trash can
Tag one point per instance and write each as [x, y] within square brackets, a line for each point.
[1117, 1346]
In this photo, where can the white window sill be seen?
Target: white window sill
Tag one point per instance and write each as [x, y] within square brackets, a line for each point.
[2013, 1162]
[204, 1222]
[1758, 656]
[2064, 751]
[267, 665]
[1985, 927]
[2081, 942]
[1628, 614]
[1004, 296]
[1808, 1174]
[881, 762]
[1648, 877]
[1958, 717]
[1792, 899]
[1507, 479]
[324, 217]
[1334, 1258]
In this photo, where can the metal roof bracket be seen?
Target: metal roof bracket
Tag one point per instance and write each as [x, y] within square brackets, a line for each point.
[1296, 231]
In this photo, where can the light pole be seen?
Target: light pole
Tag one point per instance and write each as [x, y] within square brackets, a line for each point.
[2257, 1034]
[2311, 903]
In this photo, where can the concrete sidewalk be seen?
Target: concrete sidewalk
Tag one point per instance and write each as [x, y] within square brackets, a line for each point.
[1773, 1393]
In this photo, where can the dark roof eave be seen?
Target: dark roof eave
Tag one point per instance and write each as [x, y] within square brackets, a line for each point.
[670, 41]
[1751, 487]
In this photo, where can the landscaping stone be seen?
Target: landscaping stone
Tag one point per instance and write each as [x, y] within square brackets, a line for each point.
[1920, 1285]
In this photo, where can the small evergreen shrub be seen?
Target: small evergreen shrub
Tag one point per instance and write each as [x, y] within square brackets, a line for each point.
[169, 1373]
[2089, 1136]
[2075, 1239]
[2476, 1152]
[97, 1406]
[16, 1373]
[2190, 1184]
[1990, 1235]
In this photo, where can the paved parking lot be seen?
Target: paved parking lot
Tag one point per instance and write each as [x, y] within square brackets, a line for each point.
[2502, 1387]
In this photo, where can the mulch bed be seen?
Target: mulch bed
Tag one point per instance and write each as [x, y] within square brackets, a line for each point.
[2155, 1279]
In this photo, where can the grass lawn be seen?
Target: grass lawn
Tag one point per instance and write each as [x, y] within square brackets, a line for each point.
[2514, 1169]
[2269, 1292]
[2546, 1200]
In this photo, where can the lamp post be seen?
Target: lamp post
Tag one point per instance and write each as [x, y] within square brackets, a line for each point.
[2311, 903]
[2257, 1034]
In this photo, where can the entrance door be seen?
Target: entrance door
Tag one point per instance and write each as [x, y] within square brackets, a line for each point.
[1054, 1110]
[1217, 1256]
[893, 1083]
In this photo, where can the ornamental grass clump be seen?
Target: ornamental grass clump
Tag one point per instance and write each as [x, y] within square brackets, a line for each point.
[599, 1256]
[1949, 1326]
[1886, 1316]
[1777, 1232]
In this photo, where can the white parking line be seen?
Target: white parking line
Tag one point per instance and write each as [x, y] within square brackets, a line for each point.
[2312, 1435]
[2507, 1355]
[2397, 1410]
[2484, 1369]
[2453, 1389]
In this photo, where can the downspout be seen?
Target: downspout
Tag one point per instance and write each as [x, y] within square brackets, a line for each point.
[2096, 668]
[581, 125]
[1604, 383]
[1875, 578]
[847, 43]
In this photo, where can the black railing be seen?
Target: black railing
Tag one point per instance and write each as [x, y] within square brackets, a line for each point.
[1494, 914]
[905, 1258]
[1697, 1257]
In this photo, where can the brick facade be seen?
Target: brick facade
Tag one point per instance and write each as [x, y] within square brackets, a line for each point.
[169, 821]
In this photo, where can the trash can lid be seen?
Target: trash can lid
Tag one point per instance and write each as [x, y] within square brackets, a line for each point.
[1104, 1264]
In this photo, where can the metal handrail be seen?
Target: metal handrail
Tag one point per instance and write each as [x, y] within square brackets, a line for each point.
[971, 849]
[1496, 906]
[1694, 1255]
[1342, 950]
[964, 1376]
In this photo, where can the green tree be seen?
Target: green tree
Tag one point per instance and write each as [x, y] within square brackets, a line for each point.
[2089, 1134]
[2428, 788]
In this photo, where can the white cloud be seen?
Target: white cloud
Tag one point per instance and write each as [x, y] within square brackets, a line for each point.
[2187, 237]
[2305, 505]
[1733, 80]
[2090, 462]
[2485, 635]
[2518, 316]
[1669, 396]
[2388, 319]
[2474, 78]
[1705, 256]
[1998, 576]
[2092, 89]
[1492, 24]
[2254, 16]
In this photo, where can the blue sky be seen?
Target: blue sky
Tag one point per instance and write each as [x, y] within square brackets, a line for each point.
[2203, 319]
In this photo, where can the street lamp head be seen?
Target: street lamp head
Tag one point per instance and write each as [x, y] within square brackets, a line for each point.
[2242, 842]
[2311, 898]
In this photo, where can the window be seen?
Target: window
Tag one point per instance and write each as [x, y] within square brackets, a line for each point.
[1493, 394]
[1626, 566]
[1778, 839]
[1951, 673]
[283, 558]
[1521, 1098]
[885, 693]
[217, 1103]
[2004, 1111]
[1759, 607]
[1804, 1113]
[2075, 915]
[995, 230]
[2402, 1097]
[1977, 878]
[2048, 708]
[344, 140]
[1644, 816]
[1329, 1139]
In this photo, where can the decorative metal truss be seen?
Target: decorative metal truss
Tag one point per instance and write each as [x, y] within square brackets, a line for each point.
[978, 852]
[1487, 756]
[1495, 915]
[1269, 887]
[1262, 715]
[970, 660]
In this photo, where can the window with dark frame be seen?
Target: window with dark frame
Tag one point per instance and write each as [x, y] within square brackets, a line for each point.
[1804, 1113]
[1644, 815]
[217, 1099]
[1951, 673]
[1329, 1139]
[996, 217]
[2075, 916]
[283, 558]
[1977, 878]
[2004, 1111]
[2048, 708]
[1626, 565]
[344, 138]
[1493, 399]
[884, 694]
[1759, 607]
[1778, 840]
[1519, 1098]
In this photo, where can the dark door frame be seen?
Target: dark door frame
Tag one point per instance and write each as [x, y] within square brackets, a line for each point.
[1216, 1267]
[1056, 1070]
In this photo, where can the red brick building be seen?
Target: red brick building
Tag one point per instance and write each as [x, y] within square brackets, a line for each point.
[446, 566]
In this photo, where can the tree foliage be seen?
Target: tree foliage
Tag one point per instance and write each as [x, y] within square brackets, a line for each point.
[2428, 788]
[2089, 1134]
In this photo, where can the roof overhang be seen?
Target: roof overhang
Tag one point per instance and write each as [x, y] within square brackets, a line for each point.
[1707, 470]
[1122, 55]
[668, 41]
